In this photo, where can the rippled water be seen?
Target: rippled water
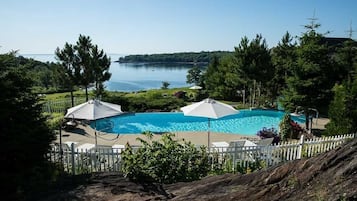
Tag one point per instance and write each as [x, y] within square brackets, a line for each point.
[246, 122]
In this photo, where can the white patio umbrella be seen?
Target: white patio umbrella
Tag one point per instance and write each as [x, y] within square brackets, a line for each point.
[209, 108]
[195, 87]
[94, 110]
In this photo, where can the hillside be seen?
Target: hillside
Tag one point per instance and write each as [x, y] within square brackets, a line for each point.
[329, 176]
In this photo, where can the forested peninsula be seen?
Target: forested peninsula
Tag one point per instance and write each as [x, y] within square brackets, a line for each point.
[182, 57]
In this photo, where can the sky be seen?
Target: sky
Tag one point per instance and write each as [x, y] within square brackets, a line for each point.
[164, 26]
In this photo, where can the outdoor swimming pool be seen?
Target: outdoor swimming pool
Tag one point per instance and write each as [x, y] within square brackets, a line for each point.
[246, 122]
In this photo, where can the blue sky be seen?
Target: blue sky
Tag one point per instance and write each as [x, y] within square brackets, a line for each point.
[163, 26]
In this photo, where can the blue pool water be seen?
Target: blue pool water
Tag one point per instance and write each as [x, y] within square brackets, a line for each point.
[246, 122]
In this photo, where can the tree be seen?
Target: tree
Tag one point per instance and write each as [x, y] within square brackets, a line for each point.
[85, 64]
[194, 76]
[71, 71]
[283, 59]
[253, 61]
[310, 83]
[342, 109]
[346, 59]
[165, 85]
[221, 78]
[340, 112]
[25, 137]
[100, 63]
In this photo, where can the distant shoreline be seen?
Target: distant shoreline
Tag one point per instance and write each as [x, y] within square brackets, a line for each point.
[163, 62]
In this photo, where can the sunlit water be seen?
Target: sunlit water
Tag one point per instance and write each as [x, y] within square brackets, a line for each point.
[136, 76]
[245, 122]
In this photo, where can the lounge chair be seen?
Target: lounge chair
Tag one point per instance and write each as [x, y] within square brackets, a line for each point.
[118, 148]
[220, 146]
[265, 142]
[70, 125]
[243, 150]
[85, 147]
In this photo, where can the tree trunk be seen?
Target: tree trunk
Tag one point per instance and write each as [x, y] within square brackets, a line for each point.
[86, 93]
[72, 97]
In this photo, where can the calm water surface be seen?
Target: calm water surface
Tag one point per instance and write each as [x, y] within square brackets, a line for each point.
[246, 122]
[136, 76]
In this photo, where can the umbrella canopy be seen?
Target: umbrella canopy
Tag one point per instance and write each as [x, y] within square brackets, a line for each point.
[209, 108]
[93, 110]
[195, 87]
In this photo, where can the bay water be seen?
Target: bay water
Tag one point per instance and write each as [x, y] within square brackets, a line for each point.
[130, 77]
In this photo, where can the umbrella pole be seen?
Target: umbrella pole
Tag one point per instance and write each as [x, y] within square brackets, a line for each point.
[95, 133]
[209, 125]
[60, 138]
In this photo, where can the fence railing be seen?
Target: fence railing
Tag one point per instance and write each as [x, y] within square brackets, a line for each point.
[230, 159]
[60, 106]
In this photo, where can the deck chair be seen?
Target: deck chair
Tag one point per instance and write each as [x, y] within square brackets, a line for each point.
[265, 142]
[85, 147]
[243, 150]
[219, 146]
[118, 148]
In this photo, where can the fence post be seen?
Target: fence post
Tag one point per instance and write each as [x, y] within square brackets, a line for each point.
[300, 148]
[72, 159]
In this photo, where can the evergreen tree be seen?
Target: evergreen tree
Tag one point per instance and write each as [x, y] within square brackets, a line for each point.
[25, 137]
[310, 83]
[70, 70]
[343, 109]
[283, 59]
[85, 64]
[339, 112]
[100, 63]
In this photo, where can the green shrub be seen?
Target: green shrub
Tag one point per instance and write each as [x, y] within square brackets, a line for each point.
[54, 120]
[285, 127]
[165, 161]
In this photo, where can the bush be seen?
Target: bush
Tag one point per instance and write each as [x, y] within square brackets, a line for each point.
[269, 133]
[289, 128]
[285, 127]
[165, 161]
[297, 129]
[54, 120]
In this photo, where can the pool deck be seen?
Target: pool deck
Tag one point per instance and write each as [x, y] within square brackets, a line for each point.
[85, 134]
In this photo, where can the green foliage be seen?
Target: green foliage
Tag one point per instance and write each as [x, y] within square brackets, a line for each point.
[311, 79]
[286, 130]
[54, 120]
[283, 59]
[250, 167]
[165, 161]
[251, 62]
[83, 64]
[165, 85]
[194, 76]
[25, 137]
[341, 112]
[342, 109]
[254, 60]
[185, 57]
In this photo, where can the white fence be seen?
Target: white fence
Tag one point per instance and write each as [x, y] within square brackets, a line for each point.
[60, 106]
[230, 159]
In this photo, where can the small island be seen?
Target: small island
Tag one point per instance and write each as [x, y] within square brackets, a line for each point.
[197, 58]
